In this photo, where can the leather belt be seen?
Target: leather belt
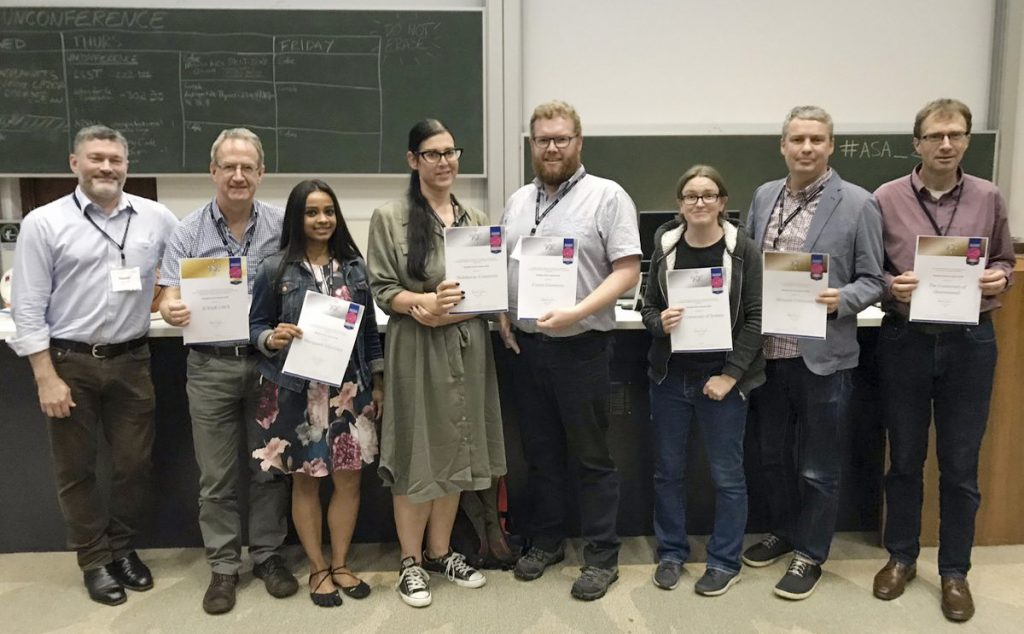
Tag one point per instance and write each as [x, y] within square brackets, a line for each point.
[99, 350]
[240, 350]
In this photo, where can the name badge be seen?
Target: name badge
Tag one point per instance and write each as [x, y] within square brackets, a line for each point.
[123, 280]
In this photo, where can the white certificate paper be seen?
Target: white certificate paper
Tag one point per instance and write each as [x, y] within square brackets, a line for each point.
[329, 328]
[948, 269]
[792, 281]
[216, 292]
[475, 258]
[706, 325]
[547, 275]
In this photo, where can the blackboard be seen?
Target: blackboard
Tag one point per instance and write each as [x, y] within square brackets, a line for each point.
[648, 167]
[326, 91]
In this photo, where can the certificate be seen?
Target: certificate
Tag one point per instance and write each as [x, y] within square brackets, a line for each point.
[706, 325]
[792, 282]
[475, 258]
[948, 269]
[216, 292]
[329, 328]
[547, 275]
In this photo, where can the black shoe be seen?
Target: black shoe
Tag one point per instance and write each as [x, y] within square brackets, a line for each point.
[323, 599]
[767, 551]
[280, 582]
[414, 584]
[453, 565]
[531, 565]
[359, 591]
[131, 572]
[220, 595]
[103, 587]
[799, 581]
[593, 583]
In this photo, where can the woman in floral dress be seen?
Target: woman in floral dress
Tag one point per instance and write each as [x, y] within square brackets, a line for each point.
[314, 430]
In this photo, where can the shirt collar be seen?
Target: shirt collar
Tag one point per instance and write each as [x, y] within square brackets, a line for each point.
[540, 185]
[918, 184]
[85, 202]
[812, 189]
[218, 215]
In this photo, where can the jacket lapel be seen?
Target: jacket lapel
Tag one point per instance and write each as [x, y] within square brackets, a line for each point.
[830, 198]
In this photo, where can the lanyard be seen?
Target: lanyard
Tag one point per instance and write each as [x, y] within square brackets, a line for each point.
[538, 216]
[455, 214]
[224, 238]
[931, 219]
[781, 203]
[124, 238]
[324, 283]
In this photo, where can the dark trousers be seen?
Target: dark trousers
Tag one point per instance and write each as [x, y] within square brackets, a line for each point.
[948, 375]
[562, 392]
[113, 398]
[798, 423]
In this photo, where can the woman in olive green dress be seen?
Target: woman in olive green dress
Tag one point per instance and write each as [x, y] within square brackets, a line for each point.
[441, 433]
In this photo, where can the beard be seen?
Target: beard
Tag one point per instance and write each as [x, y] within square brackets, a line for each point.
[553, 175]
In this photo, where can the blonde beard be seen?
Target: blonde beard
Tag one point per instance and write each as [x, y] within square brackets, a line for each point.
[554, 180]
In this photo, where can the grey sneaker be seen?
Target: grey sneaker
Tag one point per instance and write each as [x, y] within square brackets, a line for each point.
[666, 575]
[413, 584]
[454, 566]
[799, 581]
[715, 582]
[593, 582]
[531, 565]
[767, 551]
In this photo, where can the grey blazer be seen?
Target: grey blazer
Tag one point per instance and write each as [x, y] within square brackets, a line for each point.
[848, 226]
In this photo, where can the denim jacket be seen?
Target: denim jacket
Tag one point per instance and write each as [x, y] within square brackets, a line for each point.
[271, 306]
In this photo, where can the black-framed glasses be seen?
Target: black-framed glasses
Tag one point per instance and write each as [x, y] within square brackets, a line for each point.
[433, 156]
[561, 142]
[709, 199]
[937, 137]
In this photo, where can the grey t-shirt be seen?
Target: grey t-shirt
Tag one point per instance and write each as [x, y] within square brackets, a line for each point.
[602, 218]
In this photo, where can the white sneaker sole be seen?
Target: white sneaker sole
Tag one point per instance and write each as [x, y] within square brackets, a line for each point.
[721, 591]
[416, 602]
[479, 583]
[796, 596]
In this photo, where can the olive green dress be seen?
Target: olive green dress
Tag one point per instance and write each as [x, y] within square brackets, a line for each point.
[442, 430]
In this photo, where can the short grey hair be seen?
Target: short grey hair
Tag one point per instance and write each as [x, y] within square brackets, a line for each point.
[243, 134]
[812, 113]
[101, 133]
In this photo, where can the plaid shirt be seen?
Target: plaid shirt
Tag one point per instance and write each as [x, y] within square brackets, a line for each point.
[797, 207]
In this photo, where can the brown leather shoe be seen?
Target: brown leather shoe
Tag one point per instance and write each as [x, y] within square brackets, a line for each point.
[957, 604]
[892, 579]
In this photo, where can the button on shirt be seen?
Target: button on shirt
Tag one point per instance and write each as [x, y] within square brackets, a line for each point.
[792, 238]
[61, 285]
[602, 218]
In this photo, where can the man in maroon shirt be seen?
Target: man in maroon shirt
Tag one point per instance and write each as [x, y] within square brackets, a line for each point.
[948, 367]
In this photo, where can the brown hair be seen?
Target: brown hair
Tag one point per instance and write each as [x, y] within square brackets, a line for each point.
[707, 172]
[945, 107]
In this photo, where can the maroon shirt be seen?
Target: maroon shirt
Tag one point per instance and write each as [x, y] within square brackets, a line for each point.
[980, 212]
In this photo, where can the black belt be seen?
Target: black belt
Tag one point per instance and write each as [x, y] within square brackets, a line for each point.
[583, 336]
[240, 350]
[99, 350]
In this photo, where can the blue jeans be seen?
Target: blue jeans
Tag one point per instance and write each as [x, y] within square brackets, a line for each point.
[950, 374]
[675, 403]
[799, 419]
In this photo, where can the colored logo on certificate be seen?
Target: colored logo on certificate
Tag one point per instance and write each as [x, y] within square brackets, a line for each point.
[817, 266]
[717, 280]
[495, 239]
[352, 316]
[235, 269]
[568, 250]
[973, 251]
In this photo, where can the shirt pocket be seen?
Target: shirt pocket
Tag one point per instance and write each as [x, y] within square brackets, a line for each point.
[291, 297]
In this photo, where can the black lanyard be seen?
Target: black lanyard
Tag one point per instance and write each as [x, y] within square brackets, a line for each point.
[455, 214]
[781, 203]
[538, 216]
[124, 238]
[931, 218]
[224, 238]
[326, 285]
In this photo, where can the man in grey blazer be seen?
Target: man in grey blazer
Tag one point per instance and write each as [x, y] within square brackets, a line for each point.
[799, 414]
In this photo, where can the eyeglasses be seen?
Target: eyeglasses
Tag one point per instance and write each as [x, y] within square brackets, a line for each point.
[709, 199]
[561, 142]
[433, 156]
[937, 137]
[247, 169]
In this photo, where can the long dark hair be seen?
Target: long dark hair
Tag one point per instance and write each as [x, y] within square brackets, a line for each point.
[341, 246]
[421, 222]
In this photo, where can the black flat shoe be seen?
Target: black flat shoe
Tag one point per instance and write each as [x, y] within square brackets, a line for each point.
[131, 573]
[359, 591]
[323, 599]
[103, 587]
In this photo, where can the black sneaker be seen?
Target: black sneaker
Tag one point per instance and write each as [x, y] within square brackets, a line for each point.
[767, 551]
[454, 566]
[715, 582]
[593, 582]
[531, 565]
[666, 575]
[280, 581]
[799, 581]
[413, 584]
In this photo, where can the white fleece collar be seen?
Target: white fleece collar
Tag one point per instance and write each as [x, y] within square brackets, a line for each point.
[670, 239]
